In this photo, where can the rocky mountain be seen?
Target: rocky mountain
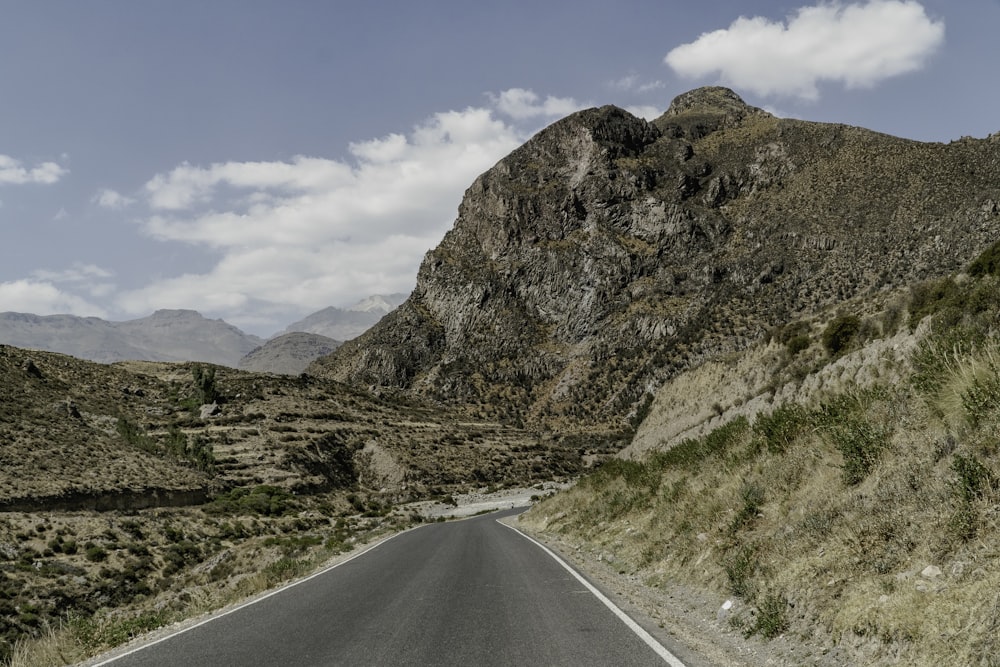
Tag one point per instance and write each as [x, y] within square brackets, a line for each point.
[609, 254]
[288, 354]
[348, 323]
[166, 335]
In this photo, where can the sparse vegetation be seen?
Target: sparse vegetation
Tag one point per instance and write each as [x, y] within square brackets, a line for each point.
[838, 502]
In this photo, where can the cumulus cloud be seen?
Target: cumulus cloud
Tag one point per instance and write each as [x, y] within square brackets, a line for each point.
[43, 298]
[108, 198]
[632, 83]
[857, 45]
[86, 278]
[13, 172]
[646, 111]
[520, 104]
[310, 232]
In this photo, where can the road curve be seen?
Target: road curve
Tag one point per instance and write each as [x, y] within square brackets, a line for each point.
[469, 592]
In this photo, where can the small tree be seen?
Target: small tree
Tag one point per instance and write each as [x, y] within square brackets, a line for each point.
[204, 384]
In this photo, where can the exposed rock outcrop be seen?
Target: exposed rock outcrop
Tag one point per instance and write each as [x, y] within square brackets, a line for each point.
[607, 254]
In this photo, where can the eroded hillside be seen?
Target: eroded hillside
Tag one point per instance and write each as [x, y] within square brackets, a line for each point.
[136, 493]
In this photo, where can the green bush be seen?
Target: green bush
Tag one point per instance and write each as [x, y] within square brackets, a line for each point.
[930, 297]
[860, 441]
[133, 435]
[988, 263]
[778, 430]
[861, 444]
[693, 451]
[752, 497]
[839, 333]
[204, 384]
[740, 569]
[95, 553]
[982, 397]
[771, 619]
[973, 480]
[264, 499]
[798, 344]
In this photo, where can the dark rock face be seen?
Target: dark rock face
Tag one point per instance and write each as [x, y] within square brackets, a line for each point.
[607, 253]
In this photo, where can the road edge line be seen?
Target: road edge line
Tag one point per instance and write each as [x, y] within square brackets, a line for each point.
[650, 641]
[215, 616]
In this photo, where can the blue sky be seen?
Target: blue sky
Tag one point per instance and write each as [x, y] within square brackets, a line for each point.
[260, 160]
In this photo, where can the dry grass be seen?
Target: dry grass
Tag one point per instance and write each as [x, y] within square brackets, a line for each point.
[830, 552]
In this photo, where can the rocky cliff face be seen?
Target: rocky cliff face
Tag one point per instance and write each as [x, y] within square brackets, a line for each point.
[608, 254]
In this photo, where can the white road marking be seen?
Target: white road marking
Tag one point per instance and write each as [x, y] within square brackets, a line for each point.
[659, 648]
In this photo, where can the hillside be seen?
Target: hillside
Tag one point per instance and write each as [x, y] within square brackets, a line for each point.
[288, 354]
[607, 255]
[851, 509]
[133, 493]
[780, 321]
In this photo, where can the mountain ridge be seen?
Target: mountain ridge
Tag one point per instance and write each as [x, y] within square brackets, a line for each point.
[607, 253]
[178, 335]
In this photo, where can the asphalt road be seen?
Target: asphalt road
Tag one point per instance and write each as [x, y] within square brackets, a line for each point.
[466, 593]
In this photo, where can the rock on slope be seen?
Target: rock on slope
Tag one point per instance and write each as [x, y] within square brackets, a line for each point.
[288, 354]
[166, 335]
[608, 254]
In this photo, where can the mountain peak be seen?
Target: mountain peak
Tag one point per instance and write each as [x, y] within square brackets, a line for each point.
[707, 109]
[709, 98]
[382, 303]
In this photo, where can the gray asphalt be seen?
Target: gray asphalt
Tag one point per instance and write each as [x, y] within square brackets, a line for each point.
[463, 593]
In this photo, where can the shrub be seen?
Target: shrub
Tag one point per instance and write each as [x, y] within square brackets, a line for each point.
[133, 435]
[929, 297]
[264, 499]
[988, 263]
[778, 430]
[797, 344]
[693, 451]
[839, 333]
[752, 496]
[204, 384]
[974, 479]
[859, 441]
[771, 619]
[95, 553]
[740, 569]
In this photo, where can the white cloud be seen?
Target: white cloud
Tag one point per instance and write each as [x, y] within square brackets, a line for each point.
[646, 111]
[43, 298]
[856, 44]
[108, 198]
[77, 273]
[520, 104]
[82, 278]
[311, 232]
[633, 83]
[13, 172]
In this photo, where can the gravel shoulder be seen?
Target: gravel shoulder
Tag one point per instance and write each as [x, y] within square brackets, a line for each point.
[688, 618]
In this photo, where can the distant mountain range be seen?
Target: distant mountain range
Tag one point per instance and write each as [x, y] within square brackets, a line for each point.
[185, 335]
[346, 323]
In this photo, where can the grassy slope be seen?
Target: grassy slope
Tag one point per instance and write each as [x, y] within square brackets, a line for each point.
[824, 520]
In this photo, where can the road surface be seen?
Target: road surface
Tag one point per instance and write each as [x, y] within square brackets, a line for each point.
[467, 593]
